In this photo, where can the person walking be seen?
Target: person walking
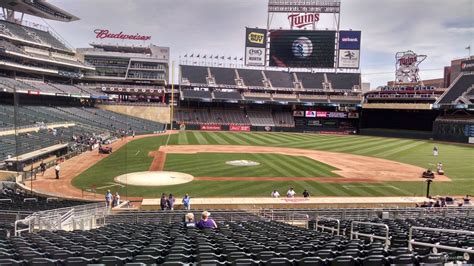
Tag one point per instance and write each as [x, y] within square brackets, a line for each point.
[275, 194]
[56, 170]
[163, 202]
[108, 199]
[186, 202]
[42, 168]
[306, 193]
[171, 201]
[291, 193]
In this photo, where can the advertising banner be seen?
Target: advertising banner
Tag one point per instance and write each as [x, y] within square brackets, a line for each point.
[349, 49]
[467, 65]
[239, 128]
[211, 127]
[298, 113]
[302, 48]
[310, 114]
[255, 46]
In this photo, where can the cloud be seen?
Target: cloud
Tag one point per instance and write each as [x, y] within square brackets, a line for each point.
[438, 28]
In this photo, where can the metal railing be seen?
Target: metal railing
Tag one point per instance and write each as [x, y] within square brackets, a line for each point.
[386, 238]
[86, 216]
[412, 242]
[323, 227]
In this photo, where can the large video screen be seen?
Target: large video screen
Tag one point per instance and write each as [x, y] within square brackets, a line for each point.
[302, 48]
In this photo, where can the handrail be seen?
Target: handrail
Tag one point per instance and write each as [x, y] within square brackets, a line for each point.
[302, 215]
[412, 242]
[332, 229]
[357, 234]
[25, 221]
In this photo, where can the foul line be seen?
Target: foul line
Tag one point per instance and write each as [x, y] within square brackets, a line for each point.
[369, 186]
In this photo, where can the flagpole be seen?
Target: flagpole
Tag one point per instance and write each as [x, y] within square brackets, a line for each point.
[172, 95]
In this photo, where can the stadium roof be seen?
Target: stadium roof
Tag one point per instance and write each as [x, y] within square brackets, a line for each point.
[123, 48]
[38, 8]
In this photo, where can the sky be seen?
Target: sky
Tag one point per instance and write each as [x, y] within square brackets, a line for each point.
[440, 29]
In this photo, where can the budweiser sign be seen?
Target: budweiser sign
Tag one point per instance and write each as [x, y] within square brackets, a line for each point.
[105, 34]
[300, 20]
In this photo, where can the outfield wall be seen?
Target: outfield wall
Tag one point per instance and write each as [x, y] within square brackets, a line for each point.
[159, 114]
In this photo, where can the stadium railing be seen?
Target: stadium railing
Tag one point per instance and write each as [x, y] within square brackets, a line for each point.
[81, 217]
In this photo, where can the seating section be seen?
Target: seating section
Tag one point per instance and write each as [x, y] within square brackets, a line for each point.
[283, 119]
[251, 77]
[464, 82]
[280, 79]
[8, 84]
[311, 80]
[233, 243]
[215, 116]
[88, 121]
[19, 200]
[32, 35]
[223, 76]
[234, 95]
[261, 118]
[343, 81]
[194, 74]
[196, 94]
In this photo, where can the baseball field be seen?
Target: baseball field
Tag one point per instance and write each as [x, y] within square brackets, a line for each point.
[325, 165]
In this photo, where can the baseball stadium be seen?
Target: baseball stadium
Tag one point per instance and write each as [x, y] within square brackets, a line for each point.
[124, 152]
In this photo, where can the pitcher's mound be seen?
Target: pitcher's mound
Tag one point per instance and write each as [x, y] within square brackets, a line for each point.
[153, 178]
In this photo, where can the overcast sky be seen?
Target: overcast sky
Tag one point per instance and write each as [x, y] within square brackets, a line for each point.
[438, 28]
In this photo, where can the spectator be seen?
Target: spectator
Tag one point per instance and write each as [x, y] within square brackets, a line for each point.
[42, 167]
[108, 199]
[206, 222]
[187, 202]
[56, 170]
[163, 202]
[467, 199]
[275, 194]
[171, 200]
[306, 193]
[116, 200]
[189, 220]
[291, 193]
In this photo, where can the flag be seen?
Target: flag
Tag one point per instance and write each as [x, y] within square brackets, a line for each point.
[228, 58]
[197, 56]
[186, 55]
[191, 55]
[241, 58]
[204, 56]
[217, 57]
[468, 48]
[235, 58]
[222, 57]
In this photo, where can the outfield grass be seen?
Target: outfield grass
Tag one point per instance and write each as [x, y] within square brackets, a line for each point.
[458, 161]
[271, 165]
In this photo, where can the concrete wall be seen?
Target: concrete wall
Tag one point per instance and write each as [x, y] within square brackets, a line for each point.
[153, 113]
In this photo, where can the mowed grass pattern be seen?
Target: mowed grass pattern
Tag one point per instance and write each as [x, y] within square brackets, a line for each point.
[271, 165]
[458, 161]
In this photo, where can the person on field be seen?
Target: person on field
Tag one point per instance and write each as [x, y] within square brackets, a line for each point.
[163, 202]
[186, 202]
[435, 151]
[42, 167]
[206, 222]
[291, 193]
[171, 200]
[108, 199]
[56, 170]
[275, 194]
[306, 193]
